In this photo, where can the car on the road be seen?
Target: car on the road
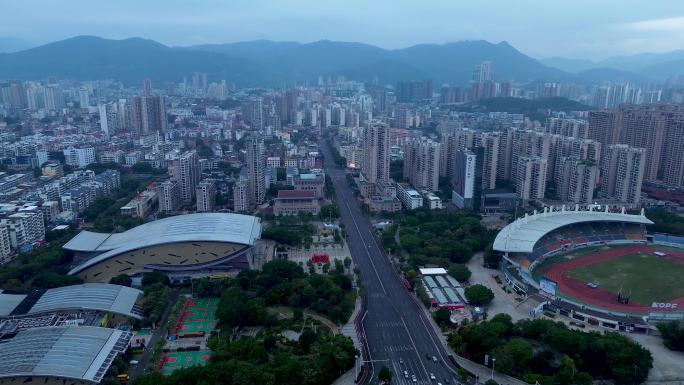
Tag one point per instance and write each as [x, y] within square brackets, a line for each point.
[439, 383]
[401, 361]
[413, 378]
[434, 359]
[427, 355]
[405, 374]
[432, 376]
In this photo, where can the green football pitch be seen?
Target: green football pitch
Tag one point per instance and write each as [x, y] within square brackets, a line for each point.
[646, 277]
[179, 360]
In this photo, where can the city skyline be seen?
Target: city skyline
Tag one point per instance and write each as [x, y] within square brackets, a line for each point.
[556, 30]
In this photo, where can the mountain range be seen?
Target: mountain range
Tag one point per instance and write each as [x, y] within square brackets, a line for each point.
[650, 65]
[269, 63]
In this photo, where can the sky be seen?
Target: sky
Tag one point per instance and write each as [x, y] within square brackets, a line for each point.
[586, 29]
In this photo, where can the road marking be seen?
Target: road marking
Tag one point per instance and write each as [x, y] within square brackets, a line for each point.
[365, 246]
[414, 347]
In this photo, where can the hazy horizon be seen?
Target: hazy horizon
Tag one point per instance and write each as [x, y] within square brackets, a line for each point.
[580, 29]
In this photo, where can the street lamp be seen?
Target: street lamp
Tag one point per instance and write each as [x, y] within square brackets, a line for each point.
[493, 364]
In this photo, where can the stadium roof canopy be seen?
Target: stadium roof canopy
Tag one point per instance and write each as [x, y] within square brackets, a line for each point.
[210, 227]
[9, 302]
[74, 352]
[521, 235]
[89, 296]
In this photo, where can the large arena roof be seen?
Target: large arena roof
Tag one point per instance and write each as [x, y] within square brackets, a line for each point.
[211, 227]
[74, 352]
[89, 296]
[521, 235]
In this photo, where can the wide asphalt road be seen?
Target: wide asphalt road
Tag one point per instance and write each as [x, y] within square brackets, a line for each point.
[394, 326]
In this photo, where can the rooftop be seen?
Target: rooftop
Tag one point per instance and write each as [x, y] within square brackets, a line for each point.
[81, 353]
[89, 296]
[296, 194]
[521, 235]
[209, 227]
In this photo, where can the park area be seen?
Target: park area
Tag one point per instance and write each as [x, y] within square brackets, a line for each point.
[596, 276]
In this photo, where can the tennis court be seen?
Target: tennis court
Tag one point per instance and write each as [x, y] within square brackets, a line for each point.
[178, 360]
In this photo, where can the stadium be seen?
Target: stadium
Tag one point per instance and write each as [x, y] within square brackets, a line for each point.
[180, 246]
[66, 335]
[595, 266]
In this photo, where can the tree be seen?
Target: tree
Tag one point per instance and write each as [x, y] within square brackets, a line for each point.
[442, 316]
[385, 375]
[460, 272]
[479, 295]
[155, 277]
[331, 211]
[121, 279]
[347, 262]
[673, 335]
[306, 339]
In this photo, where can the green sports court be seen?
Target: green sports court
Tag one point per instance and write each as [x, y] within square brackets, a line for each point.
[199, 315]
[179, 360]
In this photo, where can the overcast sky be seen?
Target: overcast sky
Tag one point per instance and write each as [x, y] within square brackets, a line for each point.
[542, 28]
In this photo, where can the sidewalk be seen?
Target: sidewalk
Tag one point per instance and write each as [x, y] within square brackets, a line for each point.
[349, 330]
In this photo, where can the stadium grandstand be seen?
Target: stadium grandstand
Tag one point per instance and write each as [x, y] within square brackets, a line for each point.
[90, 304]
[530, 239]
[60, 355]
[180, 246]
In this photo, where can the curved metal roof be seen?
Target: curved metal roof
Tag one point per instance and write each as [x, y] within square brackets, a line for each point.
[75, 352]
[521, 235]
[211, 227]
[89, 296]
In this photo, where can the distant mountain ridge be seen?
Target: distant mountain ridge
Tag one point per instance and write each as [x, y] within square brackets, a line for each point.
[269, 63]
[645, 65]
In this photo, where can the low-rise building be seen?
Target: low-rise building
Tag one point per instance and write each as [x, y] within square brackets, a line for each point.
[410, 198]
[292, 202]
[432, 201]
[142, 205]
[310, 182]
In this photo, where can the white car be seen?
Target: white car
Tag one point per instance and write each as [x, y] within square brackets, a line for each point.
[405, 374]
[432, 376]
[413, 378]
[434, 359]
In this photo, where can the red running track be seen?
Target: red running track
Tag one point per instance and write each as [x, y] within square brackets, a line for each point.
[599, 297]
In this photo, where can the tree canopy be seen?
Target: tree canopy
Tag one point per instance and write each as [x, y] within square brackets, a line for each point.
[548, 352]
[479, 295]
[440, 237]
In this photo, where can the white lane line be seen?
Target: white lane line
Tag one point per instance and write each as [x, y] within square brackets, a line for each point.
[414, 347]
[365, 247]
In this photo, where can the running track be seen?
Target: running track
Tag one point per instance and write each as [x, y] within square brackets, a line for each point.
[598, 297]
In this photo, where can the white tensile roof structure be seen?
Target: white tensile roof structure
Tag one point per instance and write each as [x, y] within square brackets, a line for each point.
[521, 235]
[90, 296]
[208, 227]
[69, 352]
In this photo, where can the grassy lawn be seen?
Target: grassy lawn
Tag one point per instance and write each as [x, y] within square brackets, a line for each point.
[651, 279]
